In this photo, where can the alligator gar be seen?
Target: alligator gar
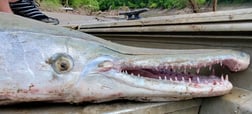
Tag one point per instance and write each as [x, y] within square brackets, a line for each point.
[40, 62]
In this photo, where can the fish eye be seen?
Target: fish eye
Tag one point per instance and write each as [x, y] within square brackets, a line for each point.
[61, 63]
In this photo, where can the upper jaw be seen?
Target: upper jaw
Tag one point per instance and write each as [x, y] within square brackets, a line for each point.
[234, 60]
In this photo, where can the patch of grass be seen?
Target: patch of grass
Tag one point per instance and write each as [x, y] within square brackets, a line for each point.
[234, 1]
[92, 4]
[95, 5]
[165, 4]
[50, 5]
[201, 2]
[179, 4]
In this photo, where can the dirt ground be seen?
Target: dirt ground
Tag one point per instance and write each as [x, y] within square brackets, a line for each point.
[79, 19]
[73, 18]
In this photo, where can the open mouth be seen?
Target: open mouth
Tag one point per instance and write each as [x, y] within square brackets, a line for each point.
[214, 73]
[211, 69]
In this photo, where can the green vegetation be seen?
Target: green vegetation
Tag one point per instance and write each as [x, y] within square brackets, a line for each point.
[92, 4]
[233, 1]
[52, 2]
[114, 4]
[167, 4]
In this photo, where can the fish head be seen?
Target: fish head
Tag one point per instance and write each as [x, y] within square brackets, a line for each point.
[105, 73]
[159, 75]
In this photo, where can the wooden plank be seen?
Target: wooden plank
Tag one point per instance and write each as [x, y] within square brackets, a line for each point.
[210, 17]
[168, 36]
[230, 27]
[182, 107]
[239, 101]
[163, 41]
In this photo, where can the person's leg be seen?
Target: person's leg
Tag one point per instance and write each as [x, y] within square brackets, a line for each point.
[4, 6]
[28, 8]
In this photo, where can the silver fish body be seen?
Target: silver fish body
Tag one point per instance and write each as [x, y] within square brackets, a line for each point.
[39, 62]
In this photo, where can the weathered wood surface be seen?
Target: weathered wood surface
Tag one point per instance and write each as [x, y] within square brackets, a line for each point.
[163, 38]
[239, 101]
[199, 18]
[182, 107]
[213, 27]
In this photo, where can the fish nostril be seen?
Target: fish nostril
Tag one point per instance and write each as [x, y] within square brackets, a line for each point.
[106, 64]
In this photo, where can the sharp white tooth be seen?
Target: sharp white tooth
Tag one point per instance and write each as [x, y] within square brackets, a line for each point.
[220, 63]
[222, 77]
[198, 70]
[138, 75]
[176, 79]
[205, 65]
[185, 70]
[183, 79]
[171, 79]
[132, 74]
[190, 67]
[213, 72]
[165, 78]
[210, 67]
[226, 78]
[190, 80]
[159, 78]
[126, 72]
[198, 79]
